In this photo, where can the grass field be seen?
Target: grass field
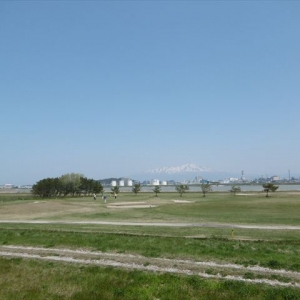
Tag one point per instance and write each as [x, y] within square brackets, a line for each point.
[242, 247]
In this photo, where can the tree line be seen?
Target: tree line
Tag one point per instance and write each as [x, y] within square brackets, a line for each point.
[207, 187]
[72, 184]
[75, 184]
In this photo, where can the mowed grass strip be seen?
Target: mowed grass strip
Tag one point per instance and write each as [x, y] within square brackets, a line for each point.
[39, 280]
[222, 232]
[272, 254]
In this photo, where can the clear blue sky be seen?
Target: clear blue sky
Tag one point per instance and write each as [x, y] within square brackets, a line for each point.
[113, 88]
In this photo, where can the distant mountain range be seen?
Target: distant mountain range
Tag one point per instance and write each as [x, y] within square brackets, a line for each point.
[187, 168]
[177, 173]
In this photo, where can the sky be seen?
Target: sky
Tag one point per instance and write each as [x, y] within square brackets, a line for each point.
[114, 88]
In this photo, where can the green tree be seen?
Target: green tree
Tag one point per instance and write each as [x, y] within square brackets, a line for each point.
[115, 190]
[97, 187]
[71, 183]
[157, 190]
[136, 188]
[68, 184]
[235, 189]
[46, 188]
[205, 188]
[84, 186]
[90, 186]
[182, 188]
[269, 187]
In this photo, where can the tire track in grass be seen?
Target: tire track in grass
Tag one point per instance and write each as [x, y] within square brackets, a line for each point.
[138, 262]
[162, 224]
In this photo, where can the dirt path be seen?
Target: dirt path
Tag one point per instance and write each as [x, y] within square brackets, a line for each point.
[163, 224]
[206, 269]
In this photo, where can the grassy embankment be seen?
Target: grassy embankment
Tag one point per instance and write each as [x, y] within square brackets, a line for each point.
[27, 280]
[270, 248]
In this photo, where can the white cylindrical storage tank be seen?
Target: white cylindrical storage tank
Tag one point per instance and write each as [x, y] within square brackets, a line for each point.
[129, 183]
[155, 182]
[121, 183]
[163, 182]
[113, 183]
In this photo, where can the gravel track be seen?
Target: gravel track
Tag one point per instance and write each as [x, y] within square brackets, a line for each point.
[163, 224]
[165, 265]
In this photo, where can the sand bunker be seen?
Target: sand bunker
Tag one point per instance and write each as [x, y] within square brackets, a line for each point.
[243, 194]
[130, 205]
[182, 201]
[126, 203]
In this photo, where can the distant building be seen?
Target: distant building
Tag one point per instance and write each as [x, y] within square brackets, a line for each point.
[27, 186]
[8, 186]
[230, 180]
[155, 182]
[243, 177]
[198, 179]
[275, 178]
[171, 182]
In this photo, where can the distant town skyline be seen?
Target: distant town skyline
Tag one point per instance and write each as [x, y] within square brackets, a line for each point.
[114, 88]
[186, 172]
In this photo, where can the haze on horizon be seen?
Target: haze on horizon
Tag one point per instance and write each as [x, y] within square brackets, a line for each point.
[111, 88]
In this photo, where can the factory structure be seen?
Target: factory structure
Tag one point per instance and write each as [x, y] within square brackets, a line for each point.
[129, 182]
[122, 182]
[158, 182]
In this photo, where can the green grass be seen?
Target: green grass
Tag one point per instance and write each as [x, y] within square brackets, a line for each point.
[5, 197]
[56, 281]
[221, 232]
[30, 279]
[280, 208]
[220, 208]
[273, 254]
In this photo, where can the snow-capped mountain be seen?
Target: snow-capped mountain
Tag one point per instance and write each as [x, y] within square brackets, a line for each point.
[187, 168]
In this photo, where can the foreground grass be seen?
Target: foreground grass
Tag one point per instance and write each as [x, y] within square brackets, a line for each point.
[28, 279]
[273, 254]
